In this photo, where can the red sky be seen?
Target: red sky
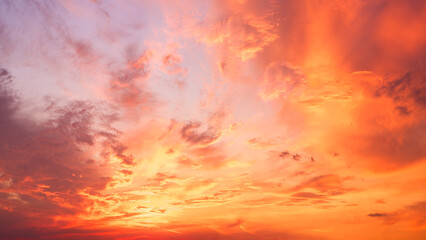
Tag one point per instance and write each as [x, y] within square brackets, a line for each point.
[226, 119]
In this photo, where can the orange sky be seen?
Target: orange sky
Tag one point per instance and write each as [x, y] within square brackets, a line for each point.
[226, 119]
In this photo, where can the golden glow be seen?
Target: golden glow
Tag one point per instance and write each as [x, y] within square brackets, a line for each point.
[246, 119]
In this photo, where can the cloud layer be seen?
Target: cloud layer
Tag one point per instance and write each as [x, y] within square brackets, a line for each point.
[245, 119]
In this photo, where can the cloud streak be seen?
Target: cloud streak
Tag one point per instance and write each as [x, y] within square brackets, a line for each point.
[248, 119]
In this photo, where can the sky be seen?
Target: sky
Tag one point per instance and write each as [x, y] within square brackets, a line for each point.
[216, 119]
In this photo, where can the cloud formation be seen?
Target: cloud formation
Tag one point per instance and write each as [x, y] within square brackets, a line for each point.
[248, 119]
[46, 166]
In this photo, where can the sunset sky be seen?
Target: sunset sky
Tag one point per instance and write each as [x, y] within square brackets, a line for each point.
[213, 119]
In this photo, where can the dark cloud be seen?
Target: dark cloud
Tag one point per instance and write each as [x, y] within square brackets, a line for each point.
[418, 207]
[377, 215]
[388, 144]
[118, 150]
[5, 76]
[46, 165]
[414, 214]
[403, 110]
[284, 154]
[296, 157]
[52, 152]
[307, 195]
[191, 135]
[409, 89]
[126, 83]
[396, 147]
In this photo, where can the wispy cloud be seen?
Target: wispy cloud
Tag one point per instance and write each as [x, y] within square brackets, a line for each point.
[248, 119]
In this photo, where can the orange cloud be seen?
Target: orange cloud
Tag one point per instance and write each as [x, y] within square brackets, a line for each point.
[125, 84]
[219, 119]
